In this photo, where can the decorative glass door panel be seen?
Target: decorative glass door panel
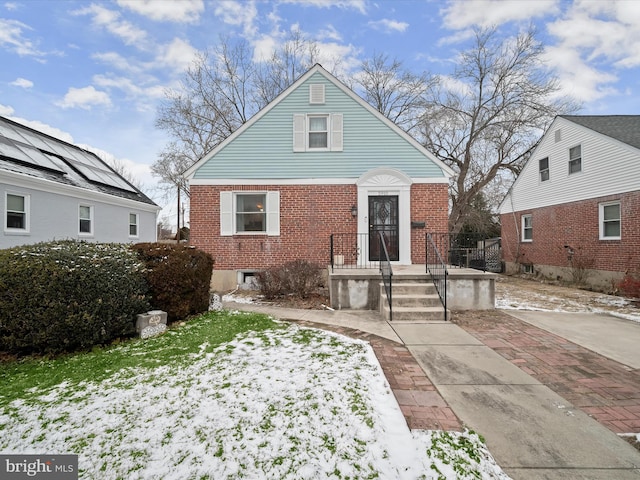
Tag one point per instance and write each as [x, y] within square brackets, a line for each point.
[383, 217]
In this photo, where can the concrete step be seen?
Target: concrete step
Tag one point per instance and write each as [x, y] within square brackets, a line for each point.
[410, 300]
[413, 314]
[413, 288]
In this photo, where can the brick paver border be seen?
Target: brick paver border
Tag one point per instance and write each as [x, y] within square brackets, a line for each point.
[604, 389]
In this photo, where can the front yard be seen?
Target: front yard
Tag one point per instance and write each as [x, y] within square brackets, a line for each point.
[227, 395]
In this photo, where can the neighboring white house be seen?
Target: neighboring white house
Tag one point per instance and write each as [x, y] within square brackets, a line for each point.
[53, 190]
[575, 207]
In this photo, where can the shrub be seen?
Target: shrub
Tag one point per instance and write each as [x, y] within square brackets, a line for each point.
[179, 277]
[67, 295]
[298, 277]
[630, 285]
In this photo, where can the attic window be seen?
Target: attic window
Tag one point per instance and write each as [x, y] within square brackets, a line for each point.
[317, 132]
[544, 169]
[575, 159]
[558, 135]
[316, 94]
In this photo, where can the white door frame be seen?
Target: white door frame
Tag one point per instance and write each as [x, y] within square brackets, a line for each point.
[386, 181]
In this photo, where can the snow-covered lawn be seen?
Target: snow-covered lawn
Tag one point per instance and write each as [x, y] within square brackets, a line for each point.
[278, 402]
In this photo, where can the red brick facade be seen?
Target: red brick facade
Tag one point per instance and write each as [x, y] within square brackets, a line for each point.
[429, 204]
[575, 224]
[309, 214]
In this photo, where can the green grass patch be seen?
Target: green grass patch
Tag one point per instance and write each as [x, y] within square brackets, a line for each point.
[28, 378]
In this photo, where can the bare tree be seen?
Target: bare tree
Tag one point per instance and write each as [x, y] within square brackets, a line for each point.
[486, 118]
[398, 94]
[222, 90]
[215, 99]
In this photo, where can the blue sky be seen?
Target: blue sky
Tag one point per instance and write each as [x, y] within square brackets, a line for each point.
[93, 72]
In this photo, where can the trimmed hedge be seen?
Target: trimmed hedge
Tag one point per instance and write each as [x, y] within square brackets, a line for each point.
[179, 277]
[66, 295]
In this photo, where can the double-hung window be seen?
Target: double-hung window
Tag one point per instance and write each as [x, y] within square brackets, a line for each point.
[610, 221]
[250, 212]
[85, 216]
[16, 213]
[243, 213]
[318, 130]
[543, 165]
[575, 159]
[133, 224]
[527, 228]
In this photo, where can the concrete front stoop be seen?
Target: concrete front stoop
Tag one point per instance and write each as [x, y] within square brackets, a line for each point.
[412, 301]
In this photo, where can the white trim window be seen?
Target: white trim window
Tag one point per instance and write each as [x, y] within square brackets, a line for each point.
[16, 213]
[575, 159]
[133, 225]
[527, 228]
[543, 165]
[317, 132]
[610, 221]
[249, 213]
[85, 220]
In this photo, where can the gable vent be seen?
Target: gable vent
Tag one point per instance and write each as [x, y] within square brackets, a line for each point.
[316, 93]
[558, 135]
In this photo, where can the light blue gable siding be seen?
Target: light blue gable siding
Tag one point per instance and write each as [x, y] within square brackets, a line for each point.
[265, 149]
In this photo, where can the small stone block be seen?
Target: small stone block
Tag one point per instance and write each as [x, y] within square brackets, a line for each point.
[153, 319]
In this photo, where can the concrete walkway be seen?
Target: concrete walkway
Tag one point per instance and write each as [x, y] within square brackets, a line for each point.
[532, 432]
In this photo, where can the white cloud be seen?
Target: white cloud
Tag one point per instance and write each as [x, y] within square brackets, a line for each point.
[329, 33]
[236, 12]
[113, 23]
[117, 61]
[595, 41]
[84, 98]
[129, 87]
[22, 83]
[389, 26]
[179, 54]
[577, 78]
[6, 110]
[359, 5]
[183, 11]
[12, 37]
[11, 6]
[459, 15]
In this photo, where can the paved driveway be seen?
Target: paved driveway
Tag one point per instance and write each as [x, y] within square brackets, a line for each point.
[615, 338]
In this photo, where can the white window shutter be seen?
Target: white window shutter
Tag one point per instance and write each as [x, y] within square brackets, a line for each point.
[273, 213]
[299, 124]
[316, 93]
[226, 213]
[336, 132]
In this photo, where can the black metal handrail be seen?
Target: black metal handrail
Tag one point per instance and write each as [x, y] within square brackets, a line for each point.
[348, 251]
[386, 272]
[437, 269]
[469, 250]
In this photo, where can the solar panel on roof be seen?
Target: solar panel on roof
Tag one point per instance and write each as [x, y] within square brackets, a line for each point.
[101, 176]
[28, 147]
[27, 154]
[35, 141]
[8, 132]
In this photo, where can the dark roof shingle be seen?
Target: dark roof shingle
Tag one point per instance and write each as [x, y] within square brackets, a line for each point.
[625, 128]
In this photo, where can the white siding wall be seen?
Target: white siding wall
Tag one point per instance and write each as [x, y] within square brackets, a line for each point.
[608, 167]
[54, 216]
